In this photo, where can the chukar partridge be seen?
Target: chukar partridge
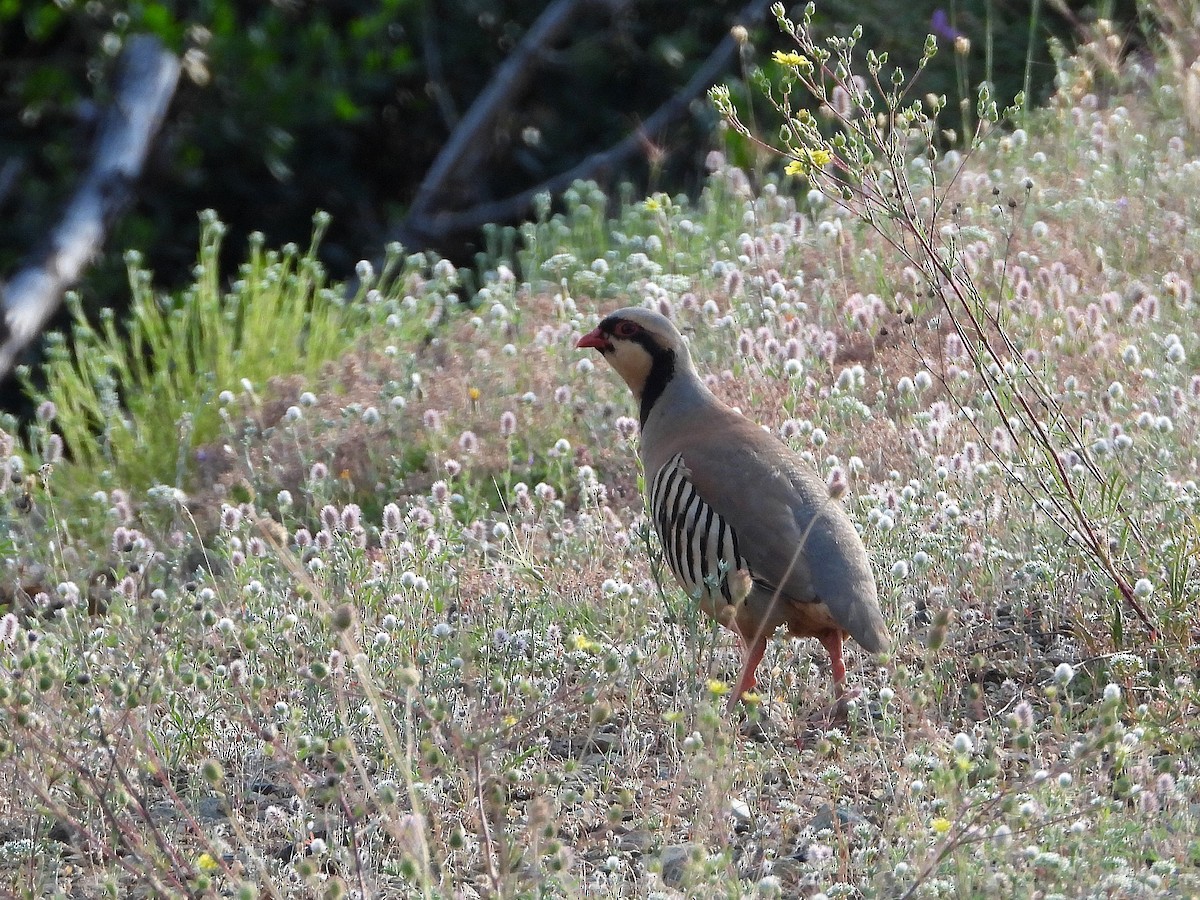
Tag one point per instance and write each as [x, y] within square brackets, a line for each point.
[747, 527]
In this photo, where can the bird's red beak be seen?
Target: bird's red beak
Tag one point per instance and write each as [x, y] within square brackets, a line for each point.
[595, 338]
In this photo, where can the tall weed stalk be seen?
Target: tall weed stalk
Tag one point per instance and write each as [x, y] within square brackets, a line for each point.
[860, 155]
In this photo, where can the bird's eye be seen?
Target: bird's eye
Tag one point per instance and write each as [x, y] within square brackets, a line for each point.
[625, 329]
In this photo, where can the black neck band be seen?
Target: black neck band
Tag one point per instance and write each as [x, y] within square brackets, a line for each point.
[662, 370]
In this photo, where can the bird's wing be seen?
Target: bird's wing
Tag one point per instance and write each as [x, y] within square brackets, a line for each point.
[795, 539]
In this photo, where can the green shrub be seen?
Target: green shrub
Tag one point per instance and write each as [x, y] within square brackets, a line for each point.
[132, 402]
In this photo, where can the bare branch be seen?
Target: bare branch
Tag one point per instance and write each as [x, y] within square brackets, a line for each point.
[424, 224]
[145, 83]
[512, 76]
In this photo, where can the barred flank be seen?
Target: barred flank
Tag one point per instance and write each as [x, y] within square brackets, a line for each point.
[700, 547]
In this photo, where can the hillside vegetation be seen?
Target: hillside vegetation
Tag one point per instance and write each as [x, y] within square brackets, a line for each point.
[395, 626]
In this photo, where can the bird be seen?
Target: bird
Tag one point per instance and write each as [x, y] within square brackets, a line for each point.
[747, 527]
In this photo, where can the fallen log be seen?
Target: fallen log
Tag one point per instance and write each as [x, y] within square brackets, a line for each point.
[147, 74]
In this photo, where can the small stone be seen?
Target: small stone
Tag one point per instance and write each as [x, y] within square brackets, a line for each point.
[675, 859]
[163, 811]
[280, 790]
[740, 810]
[211, 809]
[636, 841]
[824, 818]
[61, 832]
[790, 869]
[604, 741]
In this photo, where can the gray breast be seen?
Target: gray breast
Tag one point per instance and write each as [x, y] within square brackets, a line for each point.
[700, 547]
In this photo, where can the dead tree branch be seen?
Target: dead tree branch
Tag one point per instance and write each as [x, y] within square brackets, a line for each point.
[427, 224]
[460, 155]
[145, 83]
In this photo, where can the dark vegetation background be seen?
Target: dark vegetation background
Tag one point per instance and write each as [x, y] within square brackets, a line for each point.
[291, 106]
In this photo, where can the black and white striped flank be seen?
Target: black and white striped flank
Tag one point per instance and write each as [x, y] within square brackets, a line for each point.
[700, 547]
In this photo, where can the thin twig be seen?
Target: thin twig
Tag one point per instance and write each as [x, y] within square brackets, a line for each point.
[433, 65]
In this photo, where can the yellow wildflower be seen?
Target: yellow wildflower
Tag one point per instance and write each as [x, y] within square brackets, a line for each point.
[793, 60]
[717, 688]
[473, 393]
[206, 863]
[586, 644]
[801, 166]
[941, 825]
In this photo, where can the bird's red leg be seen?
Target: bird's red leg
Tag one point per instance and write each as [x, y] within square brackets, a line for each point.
[747, 681]
[832, 642]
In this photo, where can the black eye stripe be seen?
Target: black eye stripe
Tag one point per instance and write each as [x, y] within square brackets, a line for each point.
[625, 329]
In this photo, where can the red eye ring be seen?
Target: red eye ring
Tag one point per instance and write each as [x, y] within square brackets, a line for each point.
[625, 329]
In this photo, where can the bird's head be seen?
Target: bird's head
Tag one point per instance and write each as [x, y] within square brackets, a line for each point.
[643, 346]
